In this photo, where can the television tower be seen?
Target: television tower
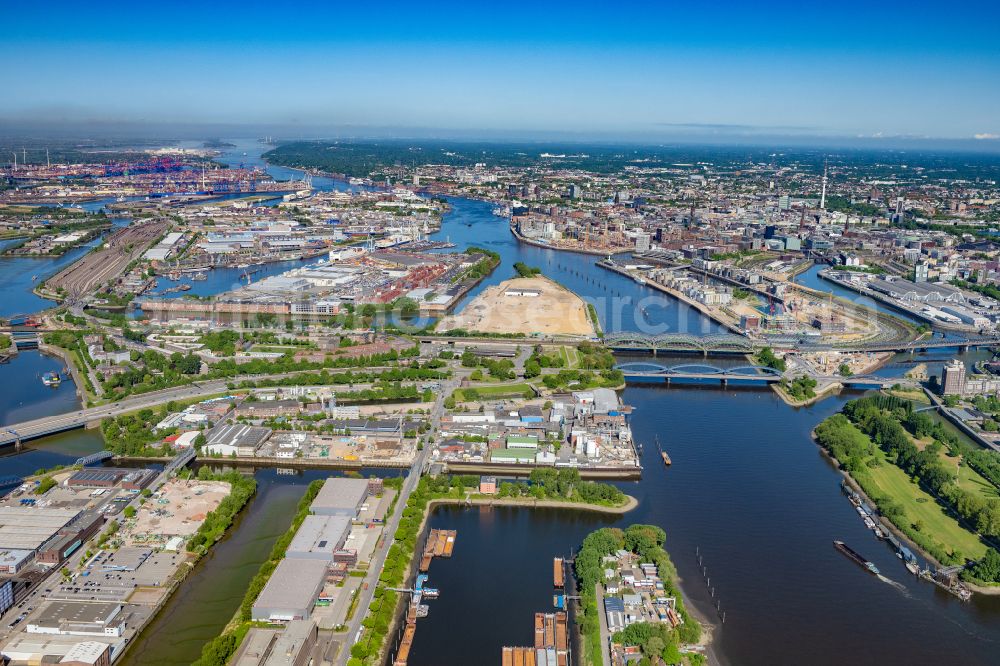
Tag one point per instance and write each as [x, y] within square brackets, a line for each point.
[822, 198]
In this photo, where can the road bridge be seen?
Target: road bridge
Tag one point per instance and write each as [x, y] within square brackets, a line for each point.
[747, 375]
[50, 425]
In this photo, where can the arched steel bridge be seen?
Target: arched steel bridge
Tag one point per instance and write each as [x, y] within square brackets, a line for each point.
[654, 372]
[737, 344]
[680, 342]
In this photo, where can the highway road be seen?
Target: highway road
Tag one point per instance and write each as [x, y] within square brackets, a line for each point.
[52, 424]
[392, 524]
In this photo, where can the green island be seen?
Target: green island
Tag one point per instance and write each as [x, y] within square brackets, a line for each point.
[658, 642]
[933, 486]
[526, 271]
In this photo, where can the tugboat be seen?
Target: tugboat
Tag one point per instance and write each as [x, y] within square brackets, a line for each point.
[855, 557]
[663, 454]
[51, 379]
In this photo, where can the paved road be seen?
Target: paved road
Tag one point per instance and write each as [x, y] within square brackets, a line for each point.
[60, 422]
[392, 524]
[605, 633]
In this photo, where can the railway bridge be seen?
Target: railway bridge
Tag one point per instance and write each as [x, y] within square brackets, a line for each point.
[729, 344]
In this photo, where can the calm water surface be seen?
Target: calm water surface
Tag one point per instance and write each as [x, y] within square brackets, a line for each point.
[748, 487]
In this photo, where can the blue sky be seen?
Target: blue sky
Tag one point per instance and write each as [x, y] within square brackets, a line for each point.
[624, 69]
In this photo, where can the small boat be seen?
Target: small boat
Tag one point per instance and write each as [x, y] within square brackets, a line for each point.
[663, 454]
[912, 568]
[51, 379]
[856, 557]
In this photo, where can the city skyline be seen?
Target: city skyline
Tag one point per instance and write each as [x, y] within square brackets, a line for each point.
[888, 73]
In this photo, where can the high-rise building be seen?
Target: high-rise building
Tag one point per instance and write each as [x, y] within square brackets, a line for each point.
[920, 271]
[784, 202]
[641, 242]
[953, 378]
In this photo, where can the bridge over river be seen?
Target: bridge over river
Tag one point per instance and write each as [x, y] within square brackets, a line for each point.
[729, 344]
[745, 375]
[748, 375]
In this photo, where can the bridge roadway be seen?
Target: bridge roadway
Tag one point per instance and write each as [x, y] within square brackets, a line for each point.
[652, 372]
[50, 425]
[750, 375]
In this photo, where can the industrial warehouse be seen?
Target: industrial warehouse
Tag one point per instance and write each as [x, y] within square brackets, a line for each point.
[311, 586]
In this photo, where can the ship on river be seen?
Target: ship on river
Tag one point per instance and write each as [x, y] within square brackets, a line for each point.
[855, 556]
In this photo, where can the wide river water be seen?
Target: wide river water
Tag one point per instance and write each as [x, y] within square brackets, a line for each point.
[748, 488]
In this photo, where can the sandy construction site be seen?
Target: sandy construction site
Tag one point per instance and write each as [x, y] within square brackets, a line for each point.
[524, 305]
[178, 509]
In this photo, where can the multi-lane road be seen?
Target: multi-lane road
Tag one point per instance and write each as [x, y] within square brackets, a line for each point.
[52, 424]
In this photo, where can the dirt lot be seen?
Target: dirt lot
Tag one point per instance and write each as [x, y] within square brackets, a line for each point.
[553, 311]
[147, 596]
[177, 509]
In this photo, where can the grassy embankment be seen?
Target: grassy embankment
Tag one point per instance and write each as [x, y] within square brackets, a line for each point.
[936, 489]
[489, 392]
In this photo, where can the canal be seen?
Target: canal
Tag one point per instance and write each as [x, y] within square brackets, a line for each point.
[748, 487]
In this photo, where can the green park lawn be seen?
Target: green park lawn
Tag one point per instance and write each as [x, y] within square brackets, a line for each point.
[920, 506]
[497, 391]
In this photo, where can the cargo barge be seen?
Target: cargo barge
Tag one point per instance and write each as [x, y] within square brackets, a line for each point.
[440, 543]
[855, 557]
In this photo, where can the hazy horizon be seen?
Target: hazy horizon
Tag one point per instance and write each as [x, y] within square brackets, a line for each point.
[899, 73]
[13, 131]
